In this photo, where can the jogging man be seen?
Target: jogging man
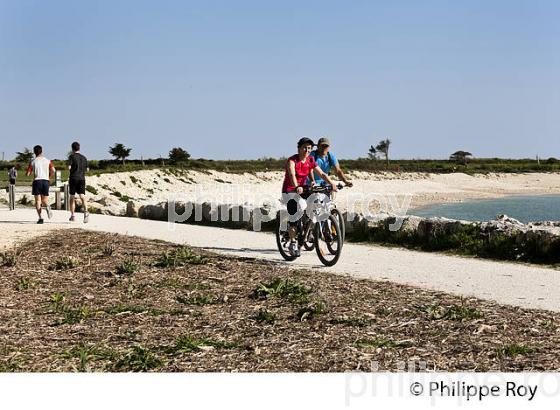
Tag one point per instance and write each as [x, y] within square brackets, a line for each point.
[77, 164]
[326, 160]
[299, 170]
[42, 170]
[12, 175]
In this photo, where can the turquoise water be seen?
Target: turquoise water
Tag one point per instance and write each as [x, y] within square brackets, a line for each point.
[524, 208]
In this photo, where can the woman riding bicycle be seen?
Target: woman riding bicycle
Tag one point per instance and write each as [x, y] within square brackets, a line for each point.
[299, 171]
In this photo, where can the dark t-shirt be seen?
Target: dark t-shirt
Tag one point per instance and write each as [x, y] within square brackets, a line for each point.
[78, 166]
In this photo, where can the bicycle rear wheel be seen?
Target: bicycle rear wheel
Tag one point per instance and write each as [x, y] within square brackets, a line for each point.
[309, 241]
[328, 241]
[283, 240]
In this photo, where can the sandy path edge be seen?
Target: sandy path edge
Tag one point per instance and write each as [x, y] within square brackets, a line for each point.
[522, 285]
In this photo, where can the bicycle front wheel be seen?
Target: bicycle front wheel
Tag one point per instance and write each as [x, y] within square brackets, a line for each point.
[328, 241]
[338, 215]
[283, 239]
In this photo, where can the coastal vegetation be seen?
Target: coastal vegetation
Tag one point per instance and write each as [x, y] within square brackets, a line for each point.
[438, 166]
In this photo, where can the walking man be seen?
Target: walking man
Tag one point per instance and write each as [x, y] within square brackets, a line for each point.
[12, 175]
[42, 170]
[77, 164]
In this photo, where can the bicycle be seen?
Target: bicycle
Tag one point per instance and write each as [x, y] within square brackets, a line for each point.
[333, 210]
[316, 232]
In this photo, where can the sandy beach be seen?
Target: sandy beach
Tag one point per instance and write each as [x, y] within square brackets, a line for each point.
[154, 186]
[113, 191]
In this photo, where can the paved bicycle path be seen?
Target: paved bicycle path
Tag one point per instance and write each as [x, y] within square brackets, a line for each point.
[508, 283]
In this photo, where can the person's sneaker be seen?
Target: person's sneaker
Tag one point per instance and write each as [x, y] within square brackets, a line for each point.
[86, 217]
[40, 221]
[72, 218]
[293, 249]
[49, 212]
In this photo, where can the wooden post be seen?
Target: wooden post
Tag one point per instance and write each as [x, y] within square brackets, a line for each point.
[58, 199]
[12, 197]
[66, 197]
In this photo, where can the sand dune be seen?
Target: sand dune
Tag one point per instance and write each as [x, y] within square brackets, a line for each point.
[154, 186]
[148, 187]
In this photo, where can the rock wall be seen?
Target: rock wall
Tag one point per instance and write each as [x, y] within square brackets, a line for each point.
[503, 238]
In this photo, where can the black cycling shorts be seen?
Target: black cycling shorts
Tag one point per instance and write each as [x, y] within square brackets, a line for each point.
[77, 186]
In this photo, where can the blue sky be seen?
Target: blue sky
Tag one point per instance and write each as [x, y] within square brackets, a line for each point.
[246, 79]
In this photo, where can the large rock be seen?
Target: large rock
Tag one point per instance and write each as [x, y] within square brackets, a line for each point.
[210, 212]
[238, 216]
[183, 212]
[263, 218]
[503, 225]
[131, 209]
[410, 224]
[155, 212]
[436, 227]
[356, 224]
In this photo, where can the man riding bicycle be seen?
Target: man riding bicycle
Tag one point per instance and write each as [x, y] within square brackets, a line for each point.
[326, 160]
[298, 178]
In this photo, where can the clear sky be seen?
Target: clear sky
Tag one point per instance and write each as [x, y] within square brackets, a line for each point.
[245, 79]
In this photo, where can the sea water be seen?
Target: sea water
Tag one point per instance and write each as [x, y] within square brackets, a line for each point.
[524, 208]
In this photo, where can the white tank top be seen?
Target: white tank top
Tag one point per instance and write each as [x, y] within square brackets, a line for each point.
[41, 167]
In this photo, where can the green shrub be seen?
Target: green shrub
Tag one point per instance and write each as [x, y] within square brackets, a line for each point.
[265, 316]
[197, 300]
[453, 312]
[283, 288]
[128, 267]
[180, 257]
[309, 312]
[23, 284]
[138, 359]
[513, 350]
[91, 190]
[66, 262]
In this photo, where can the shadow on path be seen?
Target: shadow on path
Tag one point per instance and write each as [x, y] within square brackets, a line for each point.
[263, 251]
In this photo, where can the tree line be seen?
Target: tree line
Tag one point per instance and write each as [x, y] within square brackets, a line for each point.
[178, 155]
[119, 151]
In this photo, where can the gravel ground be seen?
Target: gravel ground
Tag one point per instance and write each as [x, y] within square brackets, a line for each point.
[84, 301]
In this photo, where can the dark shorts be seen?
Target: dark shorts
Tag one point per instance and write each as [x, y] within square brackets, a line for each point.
[12, 181]
[77, 186]
[40, 187]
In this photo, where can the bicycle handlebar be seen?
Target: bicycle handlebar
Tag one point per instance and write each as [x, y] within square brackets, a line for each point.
[321, 188]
